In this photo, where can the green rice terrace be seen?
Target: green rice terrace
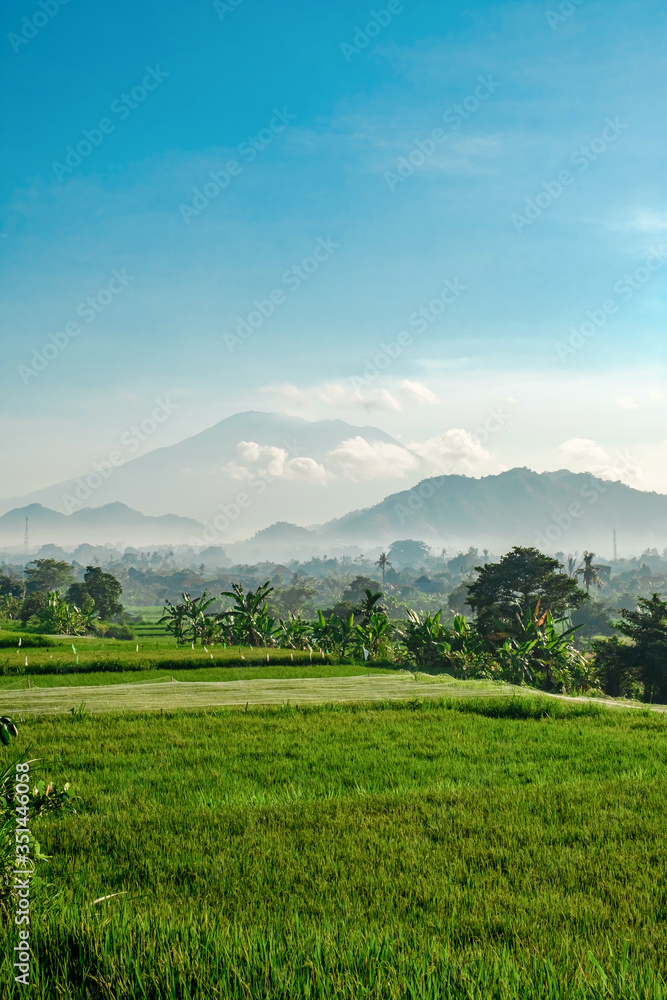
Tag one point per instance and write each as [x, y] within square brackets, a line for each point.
[233, 807]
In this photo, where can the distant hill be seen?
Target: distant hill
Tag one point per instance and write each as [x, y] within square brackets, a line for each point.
[114, 523]
[556, 511]
[553, 510]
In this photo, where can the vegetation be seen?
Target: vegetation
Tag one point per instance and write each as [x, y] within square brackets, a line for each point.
[528, 612]
[420, 850]
[505, 592]
[641, 663]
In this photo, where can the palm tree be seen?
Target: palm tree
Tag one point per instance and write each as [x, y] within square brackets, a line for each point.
[369, 607]
[589, 572]
[382, 564]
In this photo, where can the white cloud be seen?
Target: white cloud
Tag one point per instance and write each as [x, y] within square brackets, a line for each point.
[333, 394]
[584, 455]
[417, 392]
[652, 222]
[271, 462]
[626, 403]
[583, 450]
[655, 395]
[362, 459]
[454, 451]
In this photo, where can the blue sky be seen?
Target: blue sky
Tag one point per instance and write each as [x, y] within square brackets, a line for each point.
[565, 90]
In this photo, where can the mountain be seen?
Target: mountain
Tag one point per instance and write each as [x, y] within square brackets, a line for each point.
[551, 510]
[555, 511]
[246, 472]
[113, 523]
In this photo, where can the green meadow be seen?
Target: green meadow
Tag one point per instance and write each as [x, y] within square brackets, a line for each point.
[456, 847]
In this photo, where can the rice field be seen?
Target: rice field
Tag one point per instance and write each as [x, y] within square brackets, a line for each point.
[453, 847]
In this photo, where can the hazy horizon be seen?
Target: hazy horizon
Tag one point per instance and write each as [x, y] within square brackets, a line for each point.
[450, 226]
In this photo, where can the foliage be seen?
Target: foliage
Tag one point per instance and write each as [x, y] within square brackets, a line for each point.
[11, 586]
[10, 608]
[105, 590]
[369, 606]
[588, 572]
[62, 618]
[643, 659]
[33, 606]
[47, 575]
[505, 592]
[382, 564]
[188, 621]
[408, 552]
[248, 622]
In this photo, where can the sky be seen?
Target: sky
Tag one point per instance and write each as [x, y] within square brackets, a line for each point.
[446, 220]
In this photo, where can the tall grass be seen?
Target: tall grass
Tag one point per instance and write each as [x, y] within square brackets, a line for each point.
[476, 849]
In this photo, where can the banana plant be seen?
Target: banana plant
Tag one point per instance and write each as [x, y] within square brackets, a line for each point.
[188, 621]
[248, 621]
[294, 633]
[337, 635]
[374, 636]
[63, 618]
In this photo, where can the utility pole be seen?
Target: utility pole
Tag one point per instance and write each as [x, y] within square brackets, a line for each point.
[26, 537]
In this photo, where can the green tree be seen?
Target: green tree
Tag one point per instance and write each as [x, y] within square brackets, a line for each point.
[506, 592]
[382, 564]
[409, 553]
[369, 607]
[47, 575]
[646, 655]
[588, 572]
[102, 587]
[11, 586]
[33, 605]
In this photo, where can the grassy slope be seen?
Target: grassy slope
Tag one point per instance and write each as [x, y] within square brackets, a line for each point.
[357, 852]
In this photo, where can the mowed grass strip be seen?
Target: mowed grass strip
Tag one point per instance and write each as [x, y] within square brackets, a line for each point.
[467, 849]
[169, 693]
